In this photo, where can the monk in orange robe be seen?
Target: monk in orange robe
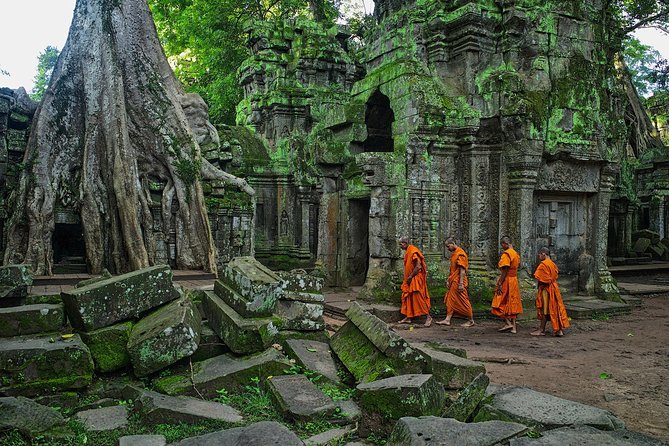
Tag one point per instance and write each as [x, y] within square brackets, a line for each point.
[549, 300]
[415, 298]
[506, 302]
[457, 297]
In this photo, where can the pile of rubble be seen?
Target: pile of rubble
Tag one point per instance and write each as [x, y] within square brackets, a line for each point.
[256, 328]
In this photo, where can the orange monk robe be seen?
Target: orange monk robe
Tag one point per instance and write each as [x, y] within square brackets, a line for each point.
[547, 274]
[415, 298]
[458, 301]
[508, 304]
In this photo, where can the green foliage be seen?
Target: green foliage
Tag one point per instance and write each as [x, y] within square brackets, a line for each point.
[46, 61]
[643, 65]
[253, 402]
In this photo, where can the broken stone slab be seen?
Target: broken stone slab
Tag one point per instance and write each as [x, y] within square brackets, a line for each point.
[315, 356]
[470, 397]
[33, 365]
[333, 436]
[242, 335]
[541, 411]
[142, 440]
[164, 337]
[461, 352]
[210, 344]
[384, 338]
[224, 372]
[104, 276]
[284, 335]
[359, 355]
[265, 433]
[156, 408]
[298, 399]
[257, 286]
[239, 304]
[103, 419]
[31, 319]
[309, 298]
[123, 297]
[109, 346]
[16, 275]
[27, 416]
[587, 435]
[301, 281]
[296, 315]
[641, 245]
[404, 395]
[11, 295]
[412, 431]
[349, 412]
[452, 371]
[653, 236]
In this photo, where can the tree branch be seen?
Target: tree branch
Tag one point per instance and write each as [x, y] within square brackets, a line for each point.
[643, 22]
[209, 172]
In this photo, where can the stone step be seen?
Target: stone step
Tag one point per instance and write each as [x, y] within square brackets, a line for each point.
[586, 309]
[103, 419]
[31, 319]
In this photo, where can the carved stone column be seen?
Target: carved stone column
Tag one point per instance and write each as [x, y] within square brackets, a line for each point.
[605, 286]
[522, 182]
[304, 198]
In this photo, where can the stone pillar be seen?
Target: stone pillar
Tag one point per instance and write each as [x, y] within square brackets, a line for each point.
[657, 206]
[629, 227]
[328, 225]
[522, 182]
[304, 198]
[605, 286]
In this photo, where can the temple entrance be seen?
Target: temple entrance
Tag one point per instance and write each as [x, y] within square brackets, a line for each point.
[379, 118]
[69, 254]
[357, 258]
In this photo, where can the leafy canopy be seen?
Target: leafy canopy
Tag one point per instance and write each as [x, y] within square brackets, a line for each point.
[46, 61]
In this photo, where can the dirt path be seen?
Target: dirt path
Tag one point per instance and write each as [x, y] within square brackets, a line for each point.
[632, 350]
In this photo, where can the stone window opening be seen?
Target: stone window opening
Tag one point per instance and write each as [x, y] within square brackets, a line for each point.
[379, 118]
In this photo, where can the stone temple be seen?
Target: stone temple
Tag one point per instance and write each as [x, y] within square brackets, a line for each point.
[467, 119]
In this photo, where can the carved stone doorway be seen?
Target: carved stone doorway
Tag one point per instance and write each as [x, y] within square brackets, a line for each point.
[357, 256]
[69, 251]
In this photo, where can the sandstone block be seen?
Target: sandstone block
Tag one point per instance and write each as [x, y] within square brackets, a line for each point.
[104, 419]
[109, 346]
[453, 372]
[156, 408]
[298, 399]
[404, 395]
[313, 355]
[266, 433]
[411, 431]
[27, 416]
[470, 397]
[31, 319]
[257, 286]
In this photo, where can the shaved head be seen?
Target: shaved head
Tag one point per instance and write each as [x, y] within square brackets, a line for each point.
[545, 250]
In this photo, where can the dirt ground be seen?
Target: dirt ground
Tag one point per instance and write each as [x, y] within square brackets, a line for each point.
[620, 364]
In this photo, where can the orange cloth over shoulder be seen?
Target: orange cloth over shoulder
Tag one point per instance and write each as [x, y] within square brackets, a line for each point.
[458, 301]
[415, 297]
[508, 304]
[547, 274]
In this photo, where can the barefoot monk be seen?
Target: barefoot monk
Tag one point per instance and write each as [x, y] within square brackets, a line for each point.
[549, 299]
[415, 298]
[457, 297]
[506, 302]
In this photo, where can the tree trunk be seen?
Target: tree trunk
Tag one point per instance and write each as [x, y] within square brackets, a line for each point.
[110, 124]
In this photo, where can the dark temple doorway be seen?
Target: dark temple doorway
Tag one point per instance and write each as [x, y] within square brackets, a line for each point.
[69, 253]
[379, 118]
[358, 241]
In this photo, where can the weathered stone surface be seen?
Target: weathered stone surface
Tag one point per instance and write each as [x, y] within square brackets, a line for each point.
[653, 236]
[27, 416]
[333, 436]
[297, 398]
[103, 419]
[384, 338]
[30, 366]
[123, 297]
[404, 395]
[641, 245]
[296, 315]
[266, 433]
[16, 275]
[242, 335]
[10, 294]
[410, 431]
[359, 355]
[257, 286]
[142, 440]
[313, 355]
[452, 371]
[210, 344]
[31, 319]
[164, 337]
[300, 281]
[312, 298]
[468, 399]
[224, 372]
[104, 276]
[239, 304]
[156, 408]
[587, 435]
[349, 411]
[109, 346]
[541, 411]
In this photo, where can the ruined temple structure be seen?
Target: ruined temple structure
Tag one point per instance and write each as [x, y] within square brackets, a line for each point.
[473, 119]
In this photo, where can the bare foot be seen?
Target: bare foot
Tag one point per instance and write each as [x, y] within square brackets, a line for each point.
[513, 330]
[538, 333]
[444, 322]
[559, 334]
[428, 321]
[505, 328]
[468, 324]
[406, 320]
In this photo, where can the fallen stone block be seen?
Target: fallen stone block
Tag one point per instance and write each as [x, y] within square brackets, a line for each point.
[296, 315]
[27, 416]
[256, 287]
[404, 395]
[470, 397]
[411, 431]
[653, 236]
[265, 433]
[310, 298]
[142, 440]
[31, 319]
[315, 356]
[156, 408]
[300, 281]
[349, 412]
[104, 276]
[210, 344]
[641, 245]
[109, 346]
[333, 436]
[104, 419]
[120, 298]
[657, 251]
[224, 372]
[298, 399]
[587, 435]
[31, 366]
[452, 371]
[239, 304]
[541, 411]
[241, 335]
[16, 275]
[164, 337]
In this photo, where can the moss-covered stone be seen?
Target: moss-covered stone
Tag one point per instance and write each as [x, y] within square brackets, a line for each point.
[403, 396]
[30, 319]
[108, 347]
